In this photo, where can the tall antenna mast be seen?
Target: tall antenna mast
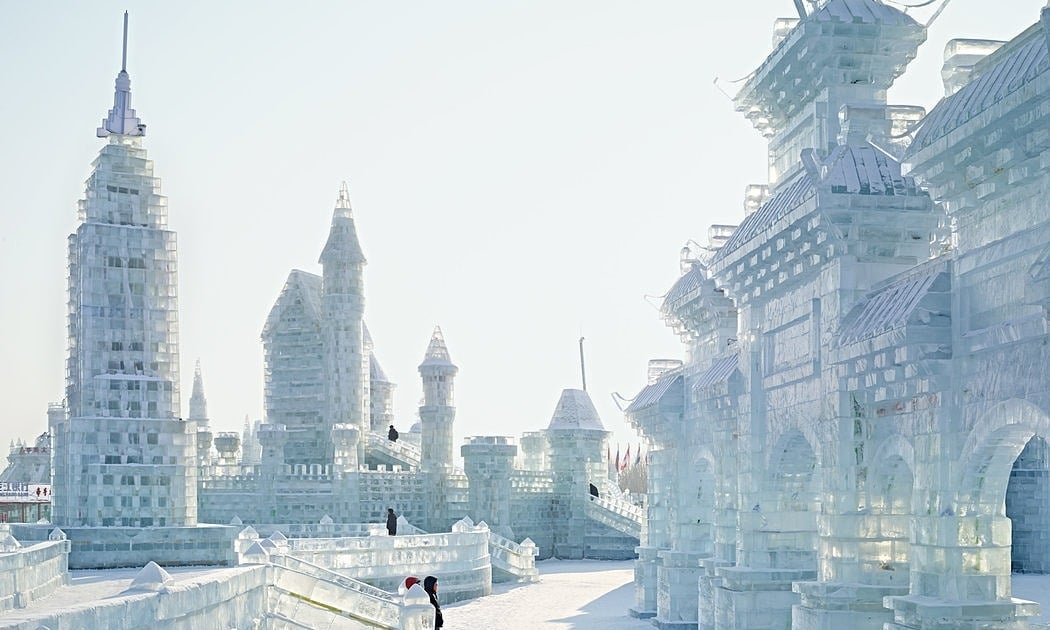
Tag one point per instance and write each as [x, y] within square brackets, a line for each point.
[583, 370]
[124, 56]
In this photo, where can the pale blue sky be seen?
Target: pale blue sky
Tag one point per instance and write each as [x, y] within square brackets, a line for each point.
[518, 171]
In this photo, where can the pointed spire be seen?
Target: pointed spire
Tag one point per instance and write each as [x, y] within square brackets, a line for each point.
[437, 351]
[198, 403]
[343, 202]
[122, 119]
[342, 245]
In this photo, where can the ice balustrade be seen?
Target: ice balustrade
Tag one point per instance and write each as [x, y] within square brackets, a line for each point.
[308, 594]
[32, 572]
[515, 559]
[617, 513]
[400, 451]
[461, 557]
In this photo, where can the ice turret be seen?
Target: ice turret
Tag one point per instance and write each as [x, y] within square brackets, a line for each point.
[437, 411]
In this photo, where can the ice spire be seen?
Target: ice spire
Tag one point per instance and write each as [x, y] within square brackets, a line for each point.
[122, 119]
[342, 244]
[198, 403]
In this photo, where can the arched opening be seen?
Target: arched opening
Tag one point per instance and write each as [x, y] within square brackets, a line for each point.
[794, 475]
[789, 511]
[697, 510]
[1028, 507]
[890, 503]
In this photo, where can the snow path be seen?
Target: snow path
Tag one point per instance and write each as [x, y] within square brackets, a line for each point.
[571, 595]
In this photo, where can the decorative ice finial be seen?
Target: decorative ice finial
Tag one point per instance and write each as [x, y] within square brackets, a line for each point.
[122, 119]
[343, 202]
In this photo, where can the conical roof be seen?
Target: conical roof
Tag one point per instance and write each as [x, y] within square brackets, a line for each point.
[342, 244]
[375, 371]
[437, 352]
[575, 412]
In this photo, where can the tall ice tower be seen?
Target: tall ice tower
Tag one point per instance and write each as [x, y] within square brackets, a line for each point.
[346, 365]
[123, 455]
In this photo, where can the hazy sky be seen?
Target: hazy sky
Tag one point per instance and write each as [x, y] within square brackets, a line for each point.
[519, 171]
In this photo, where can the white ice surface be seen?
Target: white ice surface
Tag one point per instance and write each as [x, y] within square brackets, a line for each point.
[574, 594]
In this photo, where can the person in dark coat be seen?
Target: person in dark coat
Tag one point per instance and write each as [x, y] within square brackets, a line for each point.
[391, 522]
[392, 434]
[430, 585]
[594, 490]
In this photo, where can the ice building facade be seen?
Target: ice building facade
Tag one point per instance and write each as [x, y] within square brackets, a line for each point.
[857, 437]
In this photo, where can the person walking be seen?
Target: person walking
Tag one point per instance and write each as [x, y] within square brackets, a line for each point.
[430, 585]
[392, 434]
[391, 522]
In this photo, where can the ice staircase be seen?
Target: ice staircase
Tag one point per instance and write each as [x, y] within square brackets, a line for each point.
[399, 453]
[619, 514]
[511, 561]
[304, 595]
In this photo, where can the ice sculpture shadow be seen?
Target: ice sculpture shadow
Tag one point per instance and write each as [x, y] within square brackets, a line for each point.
[607, 607]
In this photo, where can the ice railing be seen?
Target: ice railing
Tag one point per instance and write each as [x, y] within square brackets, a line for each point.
[617, 513]
[31, 572]
[400, 450]
[327, 593]
[519, 560]
[309, 595]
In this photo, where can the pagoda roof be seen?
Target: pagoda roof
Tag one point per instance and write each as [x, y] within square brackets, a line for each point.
[826, 48]
[654, 392]
[999, 74]
[719, 372]
[854, 169]
[894, 305]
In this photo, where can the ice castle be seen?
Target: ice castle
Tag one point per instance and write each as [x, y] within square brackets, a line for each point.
[128, 466]
[857, 438]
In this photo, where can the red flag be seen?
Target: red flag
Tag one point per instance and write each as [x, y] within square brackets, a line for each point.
[617, 457]
[626, 458]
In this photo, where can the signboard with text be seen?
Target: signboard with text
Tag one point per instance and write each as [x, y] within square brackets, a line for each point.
[21, 492]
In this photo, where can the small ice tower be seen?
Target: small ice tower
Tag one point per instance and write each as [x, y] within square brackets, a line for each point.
[576, 435]
[438, 410]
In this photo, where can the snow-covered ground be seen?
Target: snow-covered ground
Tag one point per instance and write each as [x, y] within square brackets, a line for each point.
[573, 595]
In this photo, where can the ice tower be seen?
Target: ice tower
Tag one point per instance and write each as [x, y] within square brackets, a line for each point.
[438, 410]
[436, 416]
[343, 301]
[124, 456]
[576, 436]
